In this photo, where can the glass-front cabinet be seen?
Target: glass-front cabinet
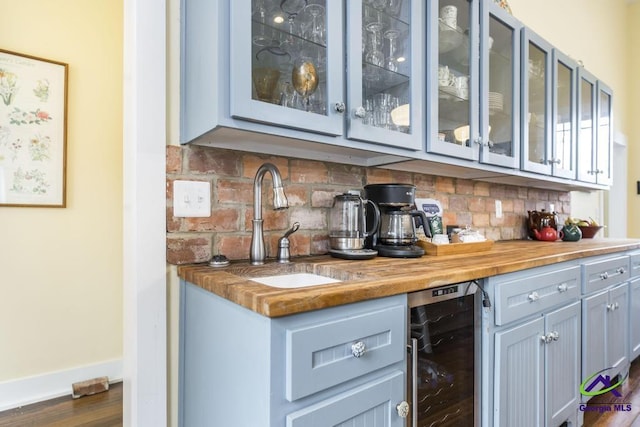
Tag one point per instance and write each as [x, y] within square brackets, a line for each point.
[595, 134]
[564, 125]
[536, 103]
[473, 69]
[289, 70]
[385, 85]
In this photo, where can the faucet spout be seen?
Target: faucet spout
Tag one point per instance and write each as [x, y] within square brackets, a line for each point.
[257, 254]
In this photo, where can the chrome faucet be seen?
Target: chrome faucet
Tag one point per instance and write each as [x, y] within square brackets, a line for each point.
[257, 254]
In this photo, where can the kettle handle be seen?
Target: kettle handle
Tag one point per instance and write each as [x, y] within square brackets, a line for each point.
[376, 218]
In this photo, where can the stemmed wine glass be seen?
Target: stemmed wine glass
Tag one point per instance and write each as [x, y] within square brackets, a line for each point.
[391, 60]
[316, 26]
[292, 8]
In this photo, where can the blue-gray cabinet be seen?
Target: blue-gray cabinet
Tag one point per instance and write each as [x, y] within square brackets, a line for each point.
[342, 364]
[531, 347]
[634, 298]
[605, 317]
[347, 74]
[473, 76]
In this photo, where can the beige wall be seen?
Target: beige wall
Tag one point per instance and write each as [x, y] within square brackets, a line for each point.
[633, 136]
[61, 284]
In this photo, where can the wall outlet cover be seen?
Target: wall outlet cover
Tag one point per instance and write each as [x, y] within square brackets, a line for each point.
[191, 199]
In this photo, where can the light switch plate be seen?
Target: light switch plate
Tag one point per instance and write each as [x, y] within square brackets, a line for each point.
[498, 208]
[191, 199]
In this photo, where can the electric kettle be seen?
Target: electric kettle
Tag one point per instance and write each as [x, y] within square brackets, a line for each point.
[347, 221]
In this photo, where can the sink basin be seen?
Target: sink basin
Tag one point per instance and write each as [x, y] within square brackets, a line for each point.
[294, 280]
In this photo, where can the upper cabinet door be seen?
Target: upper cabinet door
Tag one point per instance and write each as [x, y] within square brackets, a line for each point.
[385, 84]
[500, 50]
[564, 128]
[586, 126]
[286, 61]
[452, 75]
[604, 134]
[536, 103]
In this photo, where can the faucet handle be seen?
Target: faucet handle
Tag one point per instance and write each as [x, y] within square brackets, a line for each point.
[283, 244]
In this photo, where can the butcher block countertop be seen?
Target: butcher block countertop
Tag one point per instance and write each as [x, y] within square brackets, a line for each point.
[380, 277]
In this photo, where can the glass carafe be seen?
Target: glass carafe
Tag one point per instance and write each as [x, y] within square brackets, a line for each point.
[347, 222]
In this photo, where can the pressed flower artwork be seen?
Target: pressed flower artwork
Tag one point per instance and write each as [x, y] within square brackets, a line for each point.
[32, 131]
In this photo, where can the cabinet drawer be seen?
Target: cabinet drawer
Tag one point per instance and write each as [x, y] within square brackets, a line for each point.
[601, 274]
[324, 354]
[634, 264]
[522, 297]
[372, 404]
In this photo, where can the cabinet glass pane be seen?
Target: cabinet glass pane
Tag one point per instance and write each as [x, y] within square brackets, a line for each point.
[563, 117]
[604, 134]
[386, 64]
[500, 96]
[453, 72]
[585, 123]
[289, 53]
[536, 104]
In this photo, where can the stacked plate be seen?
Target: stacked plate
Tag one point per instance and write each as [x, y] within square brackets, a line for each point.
[496, 102]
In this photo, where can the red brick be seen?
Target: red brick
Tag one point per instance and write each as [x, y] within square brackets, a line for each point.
[187, 249]
[251, 163]
[481, 220]
[273, 220]
[221, 219]
[346, 175]
[477, 204]
[231, 191]
[234, 246]
[378, 176]
[425, 185]
[319, 244]
[445, 185]
[297, 195]
[481, 188]
[174, 159]
[173, 223]
[323, 198]
[309, 171]
[212, 161]
[464, 187]
[310, 219]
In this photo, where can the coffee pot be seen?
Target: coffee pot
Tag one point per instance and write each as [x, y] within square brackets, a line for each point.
[348, 221]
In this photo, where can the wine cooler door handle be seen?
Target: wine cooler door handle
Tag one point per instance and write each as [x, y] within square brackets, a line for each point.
[414, 382]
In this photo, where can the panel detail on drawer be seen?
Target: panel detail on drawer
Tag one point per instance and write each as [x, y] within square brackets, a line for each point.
[522, 297]
[634, 264]
[322, 355]
[601, 274]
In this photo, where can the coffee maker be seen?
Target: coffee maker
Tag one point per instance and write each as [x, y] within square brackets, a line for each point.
[396, 233]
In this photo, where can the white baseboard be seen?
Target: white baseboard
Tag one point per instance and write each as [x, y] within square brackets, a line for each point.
[24, 391]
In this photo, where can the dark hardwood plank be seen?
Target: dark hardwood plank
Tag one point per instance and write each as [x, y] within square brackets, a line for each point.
[98, 410]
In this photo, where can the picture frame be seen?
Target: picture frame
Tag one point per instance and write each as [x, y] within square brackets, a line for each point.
[33, 131]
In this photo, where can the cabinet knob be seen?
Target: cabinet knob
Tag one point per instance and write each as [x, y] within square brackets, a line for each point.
[610, 307]
[340, 107]
[604, 276]
[563, 287]
[554, 335]
[533, 296]
[358, 349]
[403, 409]
[621, 270]
[546, 339]
[360, 112]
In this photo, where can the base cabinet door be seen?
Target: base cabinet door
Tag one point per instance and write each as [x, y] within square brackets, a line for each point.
[562, 364]
[374, 404]
[618, 327]
[519, 375]
[594, 325]
[635, 317]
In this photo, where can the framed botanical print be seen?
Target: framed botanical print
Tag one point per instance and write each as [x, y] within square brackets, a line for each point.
[33, 131]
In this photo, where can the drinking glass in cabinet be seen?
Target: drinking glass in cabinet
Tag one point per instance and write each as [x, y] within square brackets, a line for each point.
[536, 104]
[289, 55]
[453, 70]
[386, 64]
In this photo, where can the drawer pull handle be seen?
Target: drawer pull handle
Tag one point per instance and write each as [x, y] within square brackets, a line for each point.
[358, 349]
[604, 276]
[403, 409]
[621, 270]
[563, 288]
[533, 296]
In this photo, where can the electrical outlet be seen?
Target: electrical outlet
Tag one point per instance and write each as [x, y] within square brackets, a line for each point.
[498, 208]
[191, 199]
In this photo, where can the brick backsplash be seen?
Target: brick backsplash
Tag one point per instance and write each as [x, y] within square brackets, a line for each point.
[310, 187]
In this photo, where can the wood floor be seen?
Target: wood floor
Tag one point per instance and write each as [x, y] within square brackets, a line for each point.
[98, 410]
[105, 409]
